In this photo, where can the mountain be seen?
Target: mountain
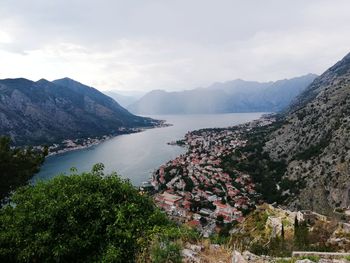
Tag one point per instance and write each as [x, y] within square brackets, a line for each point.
[46, 112]
[314, 142]
[123, 100]
[231, 96]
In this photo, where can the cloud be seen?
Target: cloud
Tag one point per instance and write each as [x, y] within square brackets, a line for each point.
[174, 45]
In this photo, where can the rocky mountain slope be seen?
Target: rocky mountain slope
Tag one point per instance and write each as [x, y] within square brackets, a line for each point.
[231, 96]
[46, 112]
[314, 141]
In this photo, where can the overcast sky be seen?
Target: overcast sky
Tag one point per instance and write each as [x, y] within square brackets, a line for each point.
[170, 44]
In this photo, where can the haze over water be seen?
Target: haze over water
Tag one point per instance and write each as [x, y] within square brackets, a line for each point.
[136, 156]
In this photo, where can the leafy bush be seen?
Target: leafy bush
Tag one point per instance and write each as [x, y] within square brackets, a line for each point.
[85, 217]
[168, 251]
[17, 165]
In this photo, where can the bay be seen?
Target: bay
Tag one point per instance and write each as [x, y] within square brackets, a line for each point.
[136, 156]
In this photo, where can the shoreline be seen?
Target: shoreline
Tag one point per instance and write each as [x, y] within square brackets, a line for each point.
[70, 145]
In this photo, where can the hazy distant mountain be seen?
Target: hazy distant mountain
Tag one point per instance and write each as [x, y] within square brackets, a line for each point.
[123, 100]
[232, 96]
[43, 112]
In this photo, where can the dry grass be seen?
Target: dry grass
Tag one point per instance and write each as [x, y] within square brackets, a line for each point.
[212, 254]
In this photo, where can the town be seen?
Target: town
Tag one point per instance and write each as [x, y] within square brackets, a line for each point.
[197, 190]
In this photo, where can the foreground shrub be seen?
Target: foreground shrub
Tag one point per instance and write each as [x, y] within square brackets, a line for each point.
[85, 217]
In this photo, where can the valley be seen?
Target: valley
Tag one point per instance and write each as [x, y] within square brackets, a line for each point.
[188, 131]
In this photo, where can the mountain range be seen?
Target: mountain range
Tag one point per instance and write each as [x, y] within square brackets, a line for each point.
[232, 96]
[47, 112]
[123, 99]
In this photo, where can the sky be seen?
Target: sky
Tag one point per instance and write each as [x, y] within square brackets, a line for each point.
[170, 44]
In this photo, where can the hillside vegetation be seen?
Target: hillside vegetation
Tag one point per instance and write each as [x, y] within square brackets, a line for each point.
[314, 142]
[89, 217]
[17, 165]
[308, 148]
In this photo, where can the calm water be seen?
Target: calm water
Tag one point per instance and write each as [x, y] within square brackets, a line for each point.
[135, 156]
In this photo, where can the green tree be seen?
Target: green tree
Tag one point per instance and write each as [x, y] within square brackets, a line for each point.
[189, 184]
[89, 217]
[296, 224]
[17, 165]
[220, 220]
[301, 235]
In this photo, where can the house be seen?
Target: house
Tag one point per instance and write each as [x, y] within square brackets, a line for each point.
[212, 198]
[206, 212]
[169, 199]
[228, 212]
[193, 223]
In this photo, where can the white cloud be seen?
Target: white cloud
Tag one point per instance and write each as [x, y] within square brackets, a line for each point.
[5, 38]
[173, 45]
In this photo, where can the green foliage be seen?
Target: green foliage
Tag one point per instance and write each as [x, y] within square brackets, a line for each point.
[301, 114]
[189, 184]
[283, 260]
[163, 243]
[225, 230]
[266, 173]
[181, 142]
[258, 249]
[276, 247]
[293, 260]
[219, 239]
[220, 220]
[166, 252]
[301, 233]
[17, 165]
[89, 217]
[310, 257]
[313, 150]
[260, 220]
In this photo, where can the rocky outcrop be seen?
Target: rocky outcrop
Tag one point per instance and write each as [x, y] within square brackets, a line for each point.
[314, 141]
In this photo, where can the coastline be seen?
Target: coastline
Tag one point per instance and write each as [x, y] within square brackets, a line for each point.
[70, 145]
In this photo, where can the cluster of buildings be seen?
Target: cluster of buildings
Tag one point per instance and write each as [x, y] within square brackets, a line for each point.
[196, 189]
[82, 143]
[77, 144]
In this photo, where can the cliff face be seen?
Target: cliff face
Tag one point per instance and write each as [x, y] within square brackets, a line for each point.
[314, 141]
[46, 112]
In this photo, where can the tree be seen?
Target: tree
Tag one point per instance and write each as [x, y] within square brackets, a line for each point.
[17, 165]
[85, 217]
[203, 221]
[301, 233]
[296, 223]
[220, 220]
[283, 243]
[189, 184]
